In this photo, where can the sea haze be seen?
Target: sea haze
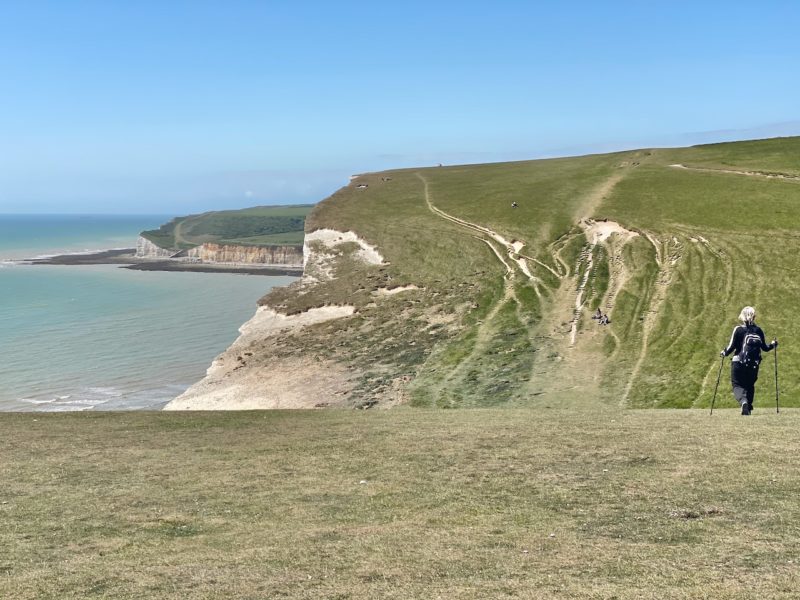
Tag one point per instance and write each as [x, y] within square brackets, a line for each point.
[101, 337]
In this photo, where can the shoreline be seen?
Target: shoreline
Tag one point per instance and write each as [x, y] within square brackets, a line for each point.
[126, 259]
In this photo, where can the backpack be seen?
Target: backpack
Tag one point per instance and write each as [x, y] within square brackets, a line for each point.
[750, 355]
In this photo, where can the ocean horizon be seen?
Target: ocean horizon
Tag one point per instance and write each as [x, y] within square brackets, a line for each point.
[100, 337]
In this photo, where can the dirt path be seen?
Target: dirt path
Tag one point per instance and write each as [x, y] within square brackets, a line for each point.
[619, 274]
[596, 197]
[485, 330]
[763, 174]
[565, 354]
[720, 255]
[177, 232]
[512, 248]
[567, 376]
[588, 255]
[595, 232]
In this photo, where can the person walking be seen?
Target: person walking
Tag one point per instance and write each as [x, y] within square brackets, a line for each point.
[747, 342]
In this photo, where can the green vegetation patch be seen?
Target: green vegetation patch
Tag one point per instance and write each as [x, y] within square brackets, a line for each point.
[257, 226]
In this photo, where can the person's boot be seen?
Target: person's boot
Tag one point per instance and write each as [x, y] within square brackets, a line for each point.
[745, 408]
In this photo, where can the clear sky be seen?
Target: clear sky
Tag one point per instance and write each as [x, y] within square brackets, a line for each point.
[176, 107]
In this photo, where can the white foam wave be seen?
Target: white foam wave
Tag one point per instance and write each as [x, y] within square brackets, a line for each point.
[106, 391]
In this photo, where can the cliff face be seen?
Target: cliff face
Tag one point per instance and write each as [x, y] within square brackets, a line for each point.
[262, 255]
[287, 255]
[271, 365]
[147, 249]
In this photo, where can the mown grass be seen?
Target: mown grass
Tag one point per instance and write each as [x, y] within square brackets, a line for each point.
[405, 503]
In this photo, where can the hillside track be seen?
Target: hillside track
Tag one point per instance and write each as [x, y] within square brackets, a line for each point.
[512, 247]
[665, 294]
[619, 276]
[178, 233]
[561, 356]
[762, 174]
[568, 351]
[667, 254]
[714, 258]
[691, 270]
[486, 329]
[585, 264]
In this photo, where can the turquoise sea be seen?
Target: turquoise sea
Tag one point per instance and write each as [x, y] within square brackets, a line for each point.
[102, 337]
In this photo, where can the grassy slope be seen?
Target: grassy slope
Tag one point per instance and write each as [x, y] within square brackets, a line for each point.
[490, 341]
[256, 226]
[723, 240]
[458, 504]
[748, 223]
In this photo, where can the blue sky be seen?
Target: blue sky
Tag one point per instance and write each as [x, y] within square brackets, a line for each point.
[176, 107]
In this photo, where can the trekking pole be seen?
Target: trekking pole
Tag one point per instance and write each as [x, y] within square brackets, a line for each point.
[719, 374]
[777, 410]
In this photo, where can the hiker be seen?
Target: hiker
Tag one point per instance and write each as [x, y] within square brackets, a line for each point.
[598, 314]
[747, 342]
[514, 205]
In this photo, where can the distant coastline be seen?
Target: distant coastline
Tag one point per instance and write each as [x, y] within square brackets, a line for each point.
[126, 258]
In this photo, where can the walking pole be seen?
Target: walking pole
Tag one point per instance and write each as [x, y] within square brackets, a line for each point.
[777, 410]
[719, 374]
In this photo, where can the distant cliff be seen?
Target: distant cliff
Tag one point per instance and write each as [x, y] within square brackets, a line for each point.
[288, 255]
[284, 255]
[147, 249]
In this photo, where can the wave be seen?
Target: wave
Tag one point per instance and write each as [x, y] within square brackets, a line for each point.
[102, 398]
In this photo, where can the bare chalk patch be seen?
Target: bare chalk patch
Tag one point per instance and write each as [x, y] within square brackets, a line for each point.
[394, 290]
[285, 383]
[331, 238]
[267, 321]
[599, 231]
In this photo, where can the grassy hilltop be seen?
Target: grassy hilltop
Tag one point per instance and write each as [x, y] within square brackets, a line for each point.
[257, 226]
[714, 229]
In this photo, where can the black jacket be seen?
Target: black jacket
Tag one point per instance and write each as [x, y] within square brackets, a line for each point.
[737, 339]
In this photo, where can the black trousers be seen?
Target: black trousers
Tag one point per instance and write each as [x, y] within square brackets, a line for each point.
[743, 381]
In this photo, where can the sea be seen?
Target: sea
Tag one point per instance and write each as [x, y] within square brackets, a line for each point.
[100, 337]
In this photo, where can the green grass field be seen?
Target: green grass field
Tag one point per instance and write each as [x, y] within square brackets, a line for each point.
[256, 226]
[407, 503]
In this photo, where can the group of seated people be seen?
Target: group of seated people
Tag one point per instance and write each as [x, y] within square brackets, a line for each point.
[601, 317]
